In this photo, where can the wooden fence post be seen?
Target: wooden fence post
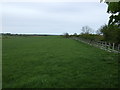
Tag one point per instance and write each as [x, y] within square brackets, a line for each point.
[113, 47]
[105, 45]
[109, 47]
[102, 45]
[99, 43]
[118, 47]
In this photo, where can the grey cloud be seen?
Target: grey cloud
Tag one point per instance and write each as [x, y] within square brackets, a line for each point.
[53, 17]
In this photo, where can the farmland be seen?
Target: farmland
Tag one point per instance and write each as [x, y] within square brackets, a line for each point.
[56, 62]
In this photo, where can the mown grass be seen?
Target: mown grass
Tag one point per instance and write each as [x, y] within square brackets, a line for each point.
[56, 62]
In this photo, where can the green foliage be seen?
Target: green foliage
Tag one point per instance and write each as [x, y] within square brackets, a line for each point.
[92, 37]
[56, 62]
[114, 9]
[111, 33]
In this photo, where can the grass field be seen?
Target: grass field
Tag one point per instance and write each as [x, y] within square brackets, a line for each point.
[56, 62]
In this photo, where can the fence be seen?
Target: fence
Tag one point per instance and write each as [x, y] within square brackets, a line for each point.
[110, 47]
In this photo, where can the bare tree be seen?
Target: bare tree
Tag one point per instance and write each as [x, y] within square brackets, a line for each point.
[66, 35]
[98, 32]
[87, 30]
[75, 34]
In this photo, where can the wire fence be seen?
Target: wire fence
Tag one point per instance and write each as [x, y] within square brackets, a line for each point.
[110, 47]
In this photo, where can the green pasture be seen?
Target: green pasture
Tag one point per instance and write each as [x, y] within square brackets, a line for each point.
[56, 62]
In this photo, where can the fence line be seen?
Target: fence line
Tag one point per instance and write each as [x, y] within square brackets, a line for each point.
[110, 47]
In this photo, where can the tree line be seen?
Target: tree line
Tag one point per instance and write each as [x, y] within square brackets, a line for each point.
[109, 32]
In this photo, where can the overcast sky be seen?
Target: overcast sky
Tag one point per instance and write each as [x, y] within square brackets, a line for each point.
[52, 18]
